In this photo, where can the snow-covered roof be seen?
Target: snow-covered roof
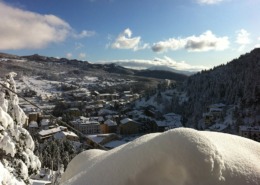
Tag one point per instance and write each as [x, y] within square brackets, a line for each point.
[214, 109]
[126, 120]
[63, 134]
[89, 123]
[109, 122]
[96, 138]
[114, 144]
[168, 124]
[218, 127]
[33, 124]
[51, 131]
[45, 122]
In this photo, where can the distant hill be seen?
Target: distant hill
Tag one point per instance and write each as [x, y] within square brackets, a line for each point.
[166, 68]
[161, 74]
[39, 64]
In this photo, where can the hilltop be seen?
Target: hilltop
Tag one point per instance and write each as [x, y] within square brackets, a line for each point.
[41, 64]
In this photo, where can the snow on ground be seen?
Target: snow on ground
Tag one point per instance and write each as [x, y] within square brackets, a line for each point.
[41, 87]
[177, 157]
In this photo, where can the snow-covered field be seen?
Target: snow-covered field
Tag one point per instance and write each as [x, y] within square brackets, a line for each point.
[177, 157]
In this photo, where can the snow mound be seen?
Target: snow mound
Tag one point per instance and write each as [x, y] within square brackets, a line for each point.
[177, 157]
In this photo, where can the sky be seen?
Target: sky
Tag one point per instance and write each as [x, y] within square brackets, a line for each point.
[183, 34]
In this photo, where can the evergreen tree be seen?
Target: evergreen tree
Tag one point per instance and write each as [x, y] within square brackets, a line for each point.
[17, 160]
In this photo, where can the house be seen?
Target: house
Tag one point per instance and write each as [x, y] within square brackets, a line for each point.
[171, 121]
[102, 138]
[86, 125]
[107, 96]
[34, 116]
[33, 127]
[251, 132]
[75, 112]
[66, 135]
[214, 112]
[128, 126]
[45, 124]
[45, 134]
[109, 126]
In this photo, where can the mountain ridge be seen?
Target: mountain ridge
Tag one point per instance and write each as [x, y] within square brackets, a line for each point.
[85, 65]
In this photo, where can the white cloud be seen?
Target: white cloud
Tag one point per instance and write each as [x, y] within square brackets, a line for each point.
[257, 46]
[204, 42]
[172, 43]
[209, 1]
[126, 41]
[82, 56]
[21, 29]
[160, 62]
[84, 33]
[243, 37]
[69, 55]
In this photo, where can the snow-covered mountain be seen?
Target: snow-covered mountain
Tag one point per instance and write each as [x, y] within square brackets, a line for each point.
[43, 64]
[166, 68]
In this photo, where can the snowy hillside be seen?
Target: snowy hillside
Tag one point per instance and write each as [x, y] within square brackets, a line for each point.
[177, 157]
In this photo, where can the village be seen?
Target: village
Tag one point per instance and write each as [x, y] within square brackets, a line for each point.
[108, 119]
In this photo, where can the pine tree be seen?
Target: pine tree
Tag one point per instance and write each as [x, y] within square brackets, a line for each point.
[17, 160]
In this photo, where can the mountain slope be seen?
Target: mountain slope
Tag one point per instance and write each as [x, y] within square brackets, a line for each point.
[236, 83]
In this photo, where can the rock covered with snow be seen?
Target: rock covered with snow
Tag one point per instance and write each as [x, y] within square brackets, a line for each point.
[177, 157]
[17, 160]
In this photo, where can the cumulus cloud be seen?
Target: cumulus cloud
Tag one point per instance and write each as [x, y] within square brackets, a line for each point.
[126, 41]
[209, 1]
[69, 55]
[204, 42]
[82, 56]
[243, 37]
[172, 43]
[157, 62]
[21, 29]
[84, 33]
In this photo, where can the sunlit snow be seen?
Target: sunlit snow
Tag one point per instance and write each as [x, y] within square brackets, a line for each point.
[177, 157]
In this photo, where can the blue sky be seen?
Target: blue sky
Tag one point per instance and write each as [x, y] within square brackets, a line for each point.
[183, 34]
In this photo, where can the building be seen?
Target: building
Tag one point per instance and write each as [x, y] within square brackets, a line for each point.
[45, 134]
[214, 112]
[33, 127]
[128, 126]
[34, 116]
[86, 125]
[66, 135]
[109, 126]
[251, 132]
[45, 123]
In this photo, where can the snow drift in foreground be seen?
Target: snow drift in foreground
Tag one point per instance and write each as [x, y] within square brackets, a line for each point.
[177, 157]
